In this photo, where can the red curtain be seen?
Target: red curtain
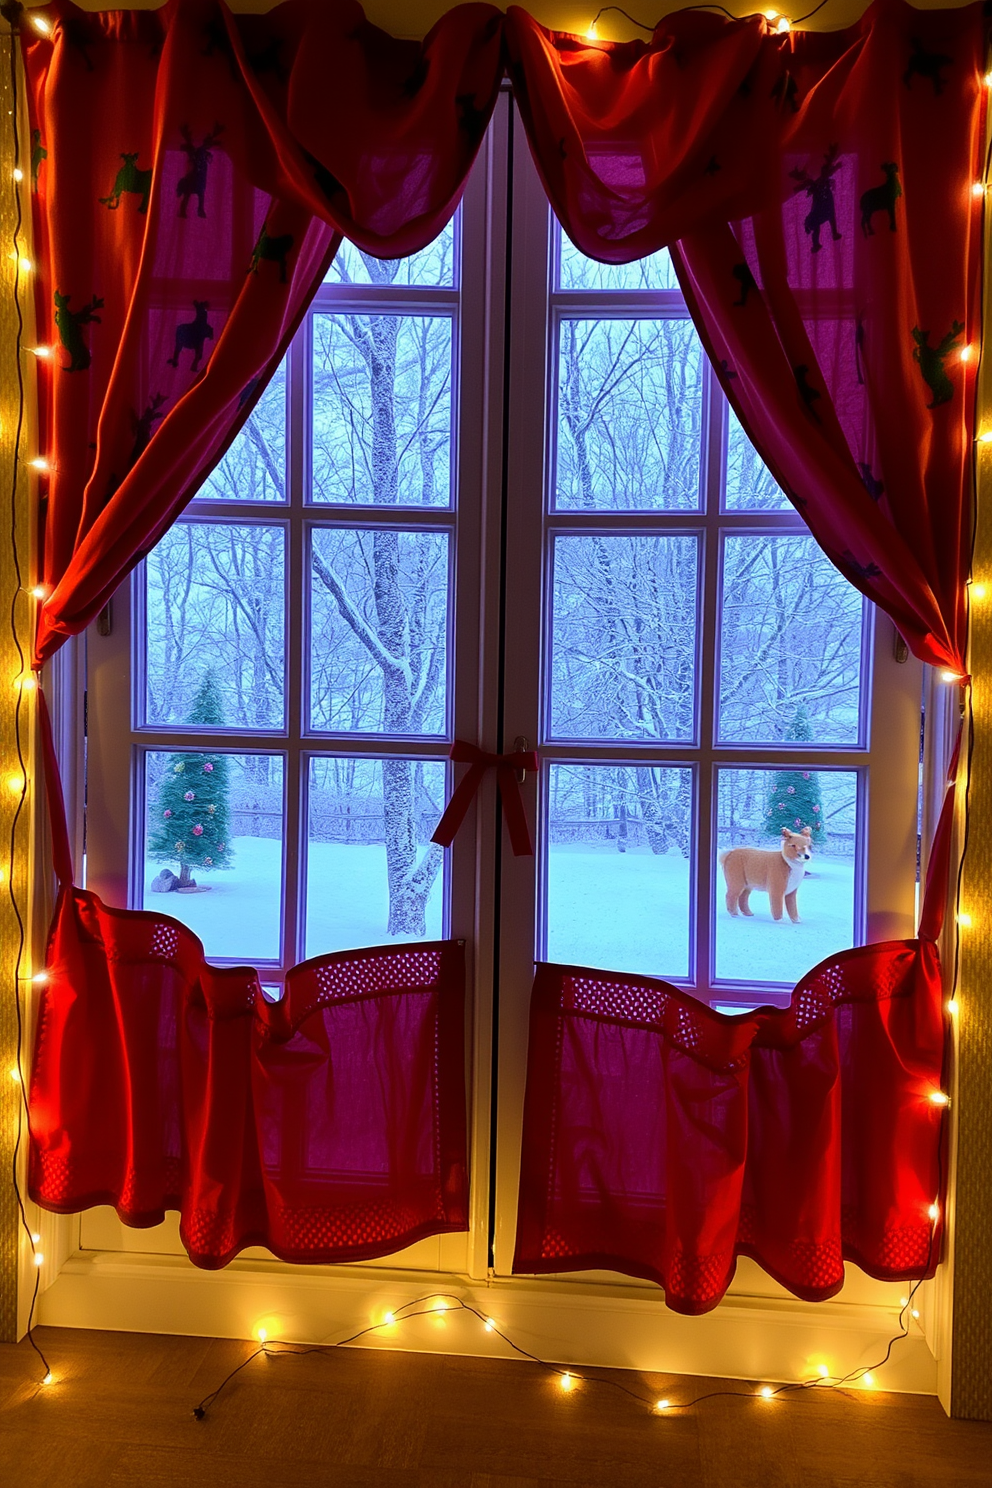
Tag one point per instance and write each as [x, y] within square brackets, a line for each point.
[192, 174]
[193, 171]
[816, 191]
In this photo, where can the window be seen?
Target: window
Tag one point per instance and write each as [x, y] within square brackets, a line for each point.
[496, 490]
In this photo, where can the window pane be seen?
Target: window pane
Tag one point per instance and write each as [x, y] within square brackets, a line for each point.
[378, 631]
[434, 266]
[254, 468]
[753, 807]
[623, 637]
[382, 409]
[790, 645]
[750, 485]
[618, 847]
[629, 415]
[215, 621]
[575, 271]
[373, 874]
[213, 848]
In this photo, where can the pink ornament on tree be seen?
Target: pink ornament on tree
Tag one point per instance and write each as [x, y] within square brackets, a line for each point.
[197, 831]
[208, 768]
[805, 774]
[207, 862]
[180, 846]
[167, 814]
[190, 796]
[791, 790]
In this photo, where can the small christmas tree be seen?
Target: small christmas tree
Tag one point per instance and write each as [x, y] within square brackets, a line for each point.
[189, 820]
[794, 801]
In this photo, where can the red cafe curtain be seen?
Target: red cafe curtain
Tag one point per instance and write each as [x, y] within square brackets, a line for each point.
[815, 193]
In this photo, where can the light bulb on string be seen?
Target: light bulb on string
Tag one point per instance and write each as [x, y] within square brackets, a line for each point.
[766, 1392]
[41, 352]
[38, 1258]
[964, 919]
[489, 1325]
[965, 353]
[952, 1007]
[49, 1379]
[567, 1382]
[35, 1238]
[783, 26]
[948, 676]
[868, 1380]
[987, 80]
[15, 784]
[985, 437]
[591, 33]
[40, 464]
[823, 1370]
[978, 188]
[915, 1313]
[978, 591]
[39, 592]
[25, 684]
[15, 1074]
[662, 1405]
[18, 174]
[389, 1319]
[40, 978]
[261, 1334]
[933, 1213]
[939, 1098]
[41, 24]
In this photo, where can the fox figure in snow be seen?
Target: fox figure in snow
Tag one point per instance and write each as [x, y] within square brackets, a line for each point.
[777, 874]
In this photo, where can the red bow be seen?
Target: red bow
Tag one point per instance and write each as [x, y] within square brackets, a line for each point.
[506, 766]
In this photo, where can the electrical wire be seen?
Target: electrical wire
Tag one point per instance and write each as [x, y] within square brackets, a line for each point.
[11, 15]
[604, 9]
[278, 1348]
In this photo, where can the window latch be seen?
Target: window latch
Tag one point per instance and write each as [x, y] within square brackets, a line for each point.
[521, 746]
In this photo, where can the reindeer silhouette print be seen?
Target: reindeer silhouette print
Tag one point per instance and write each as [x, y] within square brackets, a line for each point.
[820, 190]
[144, 427]
[69, 322]
[746, 280]
[132, 181]
[881, 199]
[932, 359]
[926, 64]
[194, 182]
[191, 334]
[271, 250]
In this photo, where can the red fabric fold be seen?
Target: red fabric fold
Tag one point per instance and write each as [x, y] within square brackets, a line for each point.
[506, 767]
[329, 1127]
[662, 1139]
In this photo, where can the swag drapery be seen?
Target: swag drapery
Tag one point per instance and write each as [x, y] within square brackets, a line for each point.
[192, 175]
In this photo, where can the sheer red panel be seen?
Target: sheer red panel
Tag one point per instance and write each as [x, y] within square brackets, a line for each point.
[816, 191]
[192, 172]
[662, 1139]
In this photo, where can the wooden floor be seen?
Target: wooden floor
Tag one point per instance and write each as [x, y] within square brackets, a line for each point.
[119, 1415]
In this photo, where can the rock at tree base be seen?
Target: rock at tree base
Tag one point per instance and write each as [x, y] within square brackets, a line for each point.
[164, 882]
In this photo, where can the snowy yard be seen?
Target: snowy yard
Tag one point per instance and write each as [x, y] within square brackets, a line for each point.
[619, 911]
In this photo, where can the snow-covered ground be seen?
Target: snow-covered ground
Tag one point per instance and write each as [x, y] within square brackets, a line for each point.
[629, 912]
[619, 911]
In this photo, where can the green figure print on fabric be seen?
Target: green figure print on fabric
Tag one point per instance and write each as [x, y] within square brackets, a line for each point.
[881, 199]
[38, 154]
[68, 323]
[130, 181]
[932, 359]
[271, 250]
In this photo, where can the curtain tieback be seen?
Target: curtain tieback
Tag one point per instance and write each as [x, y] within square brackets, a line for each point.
[506, 767]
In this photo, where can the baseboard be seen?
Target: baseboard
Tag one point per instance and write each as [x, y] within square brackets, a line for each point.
[568, 1321]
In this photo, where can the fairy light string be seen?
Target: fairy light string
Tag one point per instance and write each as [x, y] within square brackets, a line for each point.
[11, 13]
